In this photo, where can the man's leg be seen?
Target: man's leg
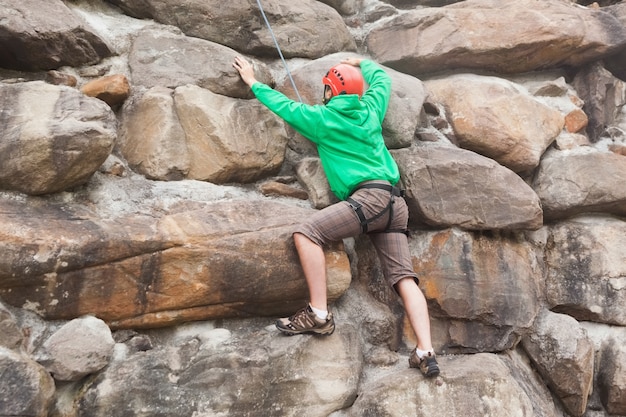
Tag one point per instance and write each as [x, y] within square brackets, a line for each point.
[395, 257]
[314, 266]
[416, 310]
[328, 225]
[423, 357]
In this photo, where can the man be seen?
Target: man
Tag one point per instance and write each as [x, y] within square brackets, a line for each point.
[361, 172]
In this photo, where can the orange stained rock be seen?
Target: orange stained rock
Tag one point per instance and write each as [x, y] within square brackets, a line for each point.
[112, 89]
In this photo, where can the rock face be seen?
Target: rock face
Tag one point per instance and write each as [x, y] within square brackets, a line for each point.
[485, 289]
[148, 201]
[197, 264]
[568, 184]
[505, 395]
[584, 281]
[196, 367]
[160, 58]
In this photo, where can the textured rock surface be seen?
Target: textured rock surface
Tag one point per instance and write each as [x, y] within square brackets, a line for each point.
[164, 210]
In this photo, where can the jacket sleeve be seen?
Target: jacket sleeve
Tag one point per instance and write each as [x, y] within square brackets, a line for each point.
[379, 91]
[302, 117]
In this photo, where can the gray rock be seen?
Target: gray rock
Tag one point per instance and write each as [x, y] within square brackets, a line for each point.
[478, 385]
[165, 57]
[81, 347]
[564, 355]
[26, 389]
[45, 34]
[52, 138]
[238, 24]
[243, 371]
[448, 186]
[486, 34]
[586, 259]
[610, 384]
[577, 182]
[311, 174]
[11, 335]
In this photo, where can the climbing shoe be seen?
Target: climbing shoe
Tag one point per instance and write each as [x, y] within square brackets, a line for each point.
[428, 364]
[305, 321]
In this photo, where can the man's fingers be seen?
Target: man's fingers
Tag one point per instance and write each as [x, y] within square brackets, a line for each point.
[240, 61]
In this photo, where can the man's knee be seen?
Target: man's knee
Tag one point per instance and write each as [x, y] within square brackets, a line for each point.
[298, 238]
[406, 282]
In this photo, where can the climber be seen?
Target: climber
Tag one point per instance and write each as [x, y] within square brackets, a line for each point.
[361, 172]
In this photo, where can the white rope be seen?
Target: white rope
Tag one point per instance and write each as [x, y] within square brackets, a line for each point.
[279, 51]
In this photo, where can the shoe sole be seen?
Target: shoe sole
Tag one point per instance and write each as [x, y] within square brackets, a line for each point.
[290, 332]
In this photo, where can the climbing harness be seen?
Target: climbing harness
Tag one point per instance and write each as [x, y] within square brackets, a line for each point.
[269, 27]
[358, 208]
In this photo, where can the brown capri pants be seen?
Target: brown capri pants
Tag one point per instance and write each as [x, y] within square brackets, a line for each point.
[340, 221]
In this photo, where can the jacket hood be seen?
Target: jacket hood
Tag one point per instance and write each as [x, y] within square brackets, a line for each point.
[350, 106]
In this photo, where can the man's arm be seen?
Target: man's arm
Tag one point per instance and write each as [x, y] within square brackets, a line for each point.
[302, 117]
[379, 91]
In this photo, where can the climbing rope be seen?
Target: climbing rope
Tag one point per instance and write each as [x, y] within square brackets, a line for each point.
[279, 51]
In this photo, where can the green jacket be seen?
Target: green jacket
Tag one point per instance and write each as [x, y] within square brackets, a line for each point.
[347, 130]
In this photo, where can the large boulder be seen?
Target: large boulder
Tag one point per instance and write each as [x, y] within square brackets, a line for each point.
[164, 57]
[586, 260]
[497, 118]
[191, 132]
[505, 37]
[483, 291]
[202, 370]
[479, 385]
[448, 186]
[52, 138]
[564, 355]
[26, 388]
[222, 259]
[581, 181]
[238, 24]
[45, 34]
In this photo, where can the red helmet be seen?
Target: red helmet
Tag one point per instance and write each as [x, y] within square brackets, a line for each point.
[344, 79]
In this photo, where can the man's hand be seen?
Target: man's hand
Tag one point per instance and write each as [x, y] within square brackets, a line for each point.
[246, 70]
[355, 62]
